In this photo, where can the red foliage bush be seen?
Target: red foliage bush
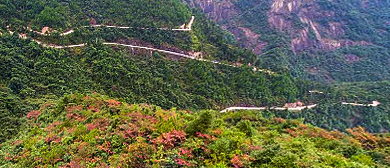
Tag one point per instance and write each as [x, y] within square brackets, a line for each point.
[138, 126]
[170, 139]
[52, 126]
[54, 139]
[182, 162]
[33, 114]
[131, 131]
[106, 147]
[252, 148]
[185, 152]
[76, 116]
[74, 108]
[241, 160]
[93, 108]
[113, 103]
[90, 126]
[101, 124]
[208, 138]
[368, 140]
[303, 130]
[279, 120]
[236, 162]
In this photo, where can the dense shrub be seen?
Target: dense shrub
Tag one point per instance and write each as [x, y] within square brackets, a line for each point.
[80, 130]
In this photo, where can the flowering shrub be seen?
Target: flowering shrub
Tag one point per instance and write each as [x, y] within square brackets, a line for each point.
[33, 114]
[236, 162]
[113, 103]
[88, 134]
[171, 139]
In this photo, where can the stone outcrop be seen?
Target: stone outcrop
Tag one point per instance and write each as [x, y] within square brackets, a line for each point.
[327, 37]
[223, 12]
[218, 10]
[283, 16]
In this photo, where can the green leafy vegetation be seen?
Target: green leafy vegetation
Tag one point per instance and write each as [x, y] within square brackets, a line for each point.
[331, 114]
[59, 14]
[94, 131]
[34, 72]
[207, 37]
[354, 43]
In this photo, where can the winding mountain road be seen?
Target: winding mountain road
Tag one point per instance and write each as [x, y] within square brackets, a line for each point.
[152, 49]
[23, 36]
[374, 104]
[188, 28]
[184, 27]
[271, 108]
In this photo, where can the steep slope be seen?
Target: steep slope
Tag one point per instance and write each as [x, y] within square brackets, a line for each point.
[32, 72]
[95, 131]
[50, 16]
[319, 40]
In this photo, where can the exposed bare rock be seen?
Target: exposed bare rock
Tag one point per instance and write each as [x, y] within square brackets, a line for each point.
[351, 58]
[326, 37]
[335, 30]
[302, 41]
[248, 33]
[45, 30]
[365, 3]
[278, 16]
[222, 10]
[330, 44]
[250, 40]
[259, 48]
[216, 9]
[283, 16]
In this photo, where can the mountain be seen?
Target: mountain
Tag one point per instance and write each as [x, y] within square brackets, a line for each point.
[324, 40]
[170, 76]
[36, 69]
[207, 38]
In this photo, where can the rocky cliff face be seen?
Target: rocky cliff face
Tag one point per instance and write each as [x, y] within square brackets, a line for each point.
[225, 13]
[327, 36]
[323, 40]
[219, 10]
[283, 16]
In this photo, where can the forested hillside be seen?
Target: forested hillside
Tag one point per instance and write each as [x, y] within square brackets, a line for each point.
[331, 114]
[207, 37]
[32, 72]
[326, 40]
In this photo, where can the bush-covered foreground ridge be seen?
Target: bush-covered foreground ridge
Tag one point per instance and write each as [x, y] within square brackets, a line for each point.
[93, 130]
